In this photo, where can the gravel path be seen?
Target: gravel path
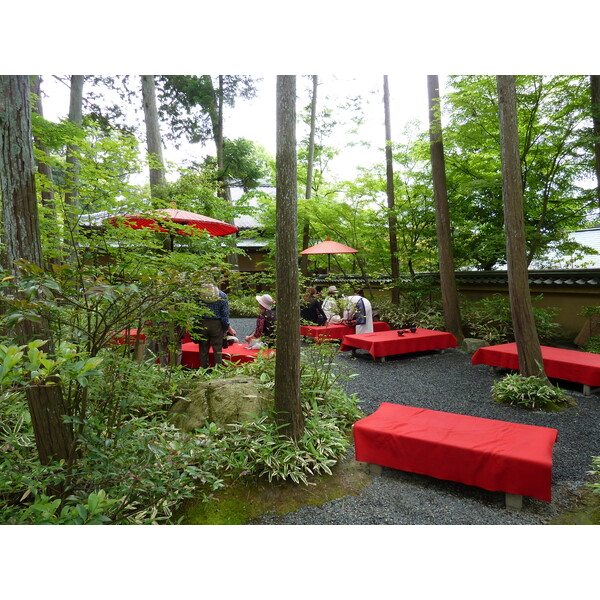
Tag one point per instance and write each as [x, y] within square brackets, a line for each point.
[448, 382]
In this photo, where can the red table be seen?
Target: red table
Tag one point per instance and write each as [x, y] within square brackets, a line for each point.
[568, 365]
[334, 332]
[387, 343]
[235, 353]
[494, 455]
[132, 334]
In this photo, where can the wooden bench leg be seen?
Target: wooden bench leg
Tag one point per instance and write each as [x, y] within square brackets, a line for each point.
[513, 501]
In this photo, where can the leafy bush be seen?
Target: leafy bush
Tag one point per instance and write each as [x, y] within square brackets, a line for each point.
[136, 468]
[403, 315]
[593, 344]
[490, 319]
[242, 306]
[595, 485]
[530, 392]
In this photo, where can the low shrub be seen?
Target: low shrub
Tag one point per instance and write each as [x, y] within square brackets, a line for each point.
[593, 344]
[595, 485]
[135, 468]
[533, 393]
[242, 307]
[490, 319]
[403, 315]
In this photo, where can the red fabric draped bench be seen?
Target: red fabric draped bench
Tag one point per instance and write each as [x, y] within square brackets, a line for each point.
[333, 331]
[235, 353]
[494, 455]
[559, 363]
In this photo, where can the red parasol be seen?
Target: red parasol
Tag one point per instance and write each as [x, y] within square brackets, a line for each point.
[212, 226]
[328, 247]
[158, 222]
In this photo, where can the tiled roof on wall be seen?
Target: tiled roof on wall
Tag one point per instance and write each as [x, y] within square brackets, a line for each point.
[562, 278]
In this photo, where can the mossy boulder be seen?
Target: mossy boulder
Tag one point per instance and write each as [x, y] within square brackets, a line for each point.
[221, 401]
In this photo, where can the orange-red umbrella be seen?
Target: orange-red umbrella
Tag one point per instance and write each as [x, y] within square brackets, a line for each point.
[329, 247]
[157, 221]
[157, 218]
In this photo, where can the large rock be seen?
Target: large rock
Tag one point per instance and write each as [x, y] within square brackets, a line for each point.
[221, 401]
[471, 345]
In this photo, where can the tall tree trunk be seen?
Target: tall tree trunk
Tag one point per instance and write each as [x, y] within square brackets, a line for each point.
[528, 344]
[153, 138]
[215, 112]
[19, 202]
[595, 93]
[22, 242]
[309, 174]
[48, 201]
[392, 220]
[53, 437]
[450, 303]
[42, 166]
[72, 162]
[287, 368]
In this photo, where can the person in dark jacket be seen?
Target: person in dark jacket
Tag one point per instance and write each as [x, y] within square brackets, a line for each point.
[212, 325]
[311, 309]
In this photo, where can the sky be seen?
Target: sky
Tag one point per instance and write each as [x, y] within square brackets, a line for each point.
[255, 119]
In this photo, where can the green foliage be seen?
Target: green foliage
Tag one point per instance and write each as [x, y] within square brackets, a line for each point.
[533, 393]
[44, 510]
[490, 319]
[242, 306]
[593, 344]
[428, 316]
[135, 468]
[595, 485]
[554, 120]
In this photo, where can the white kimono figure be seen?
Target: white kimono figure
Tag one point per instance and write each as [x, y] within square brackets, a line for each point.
[363, 314]
[331, 310]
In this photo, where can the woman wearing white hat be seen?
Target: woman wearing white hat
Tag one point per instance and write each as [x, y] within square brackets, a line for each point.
[264, 334]
[330, 306]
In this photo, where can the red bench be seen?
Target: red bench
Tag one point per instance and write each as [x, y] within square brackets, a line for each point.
[559, 363]
[335, 331]
[495, 455]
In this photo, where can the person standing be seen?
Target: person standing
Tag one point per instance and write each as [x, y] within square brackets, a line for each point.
[360, 311]
[264, 334]
[212, 324]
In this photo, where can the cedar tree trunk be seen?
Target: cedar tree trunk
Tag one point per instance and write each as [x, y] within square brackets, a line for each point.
[392, 220]
[153, 139]
[528, 345]
[287, 367]
[442, 213]
[309, 174]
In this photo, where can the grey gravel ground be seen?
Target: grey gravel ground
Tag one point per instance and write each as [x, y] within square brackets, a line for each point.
[448, 382]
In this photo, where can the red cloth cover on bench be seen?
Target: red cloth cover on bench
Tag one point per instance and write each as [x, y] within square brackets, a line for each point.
[336, 331]
[559, 363]
[235, 353]
[495, 455]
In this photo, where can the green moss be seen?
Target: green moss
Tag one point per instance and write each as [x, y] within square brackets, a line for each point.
[244, 501]
[585, 511]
